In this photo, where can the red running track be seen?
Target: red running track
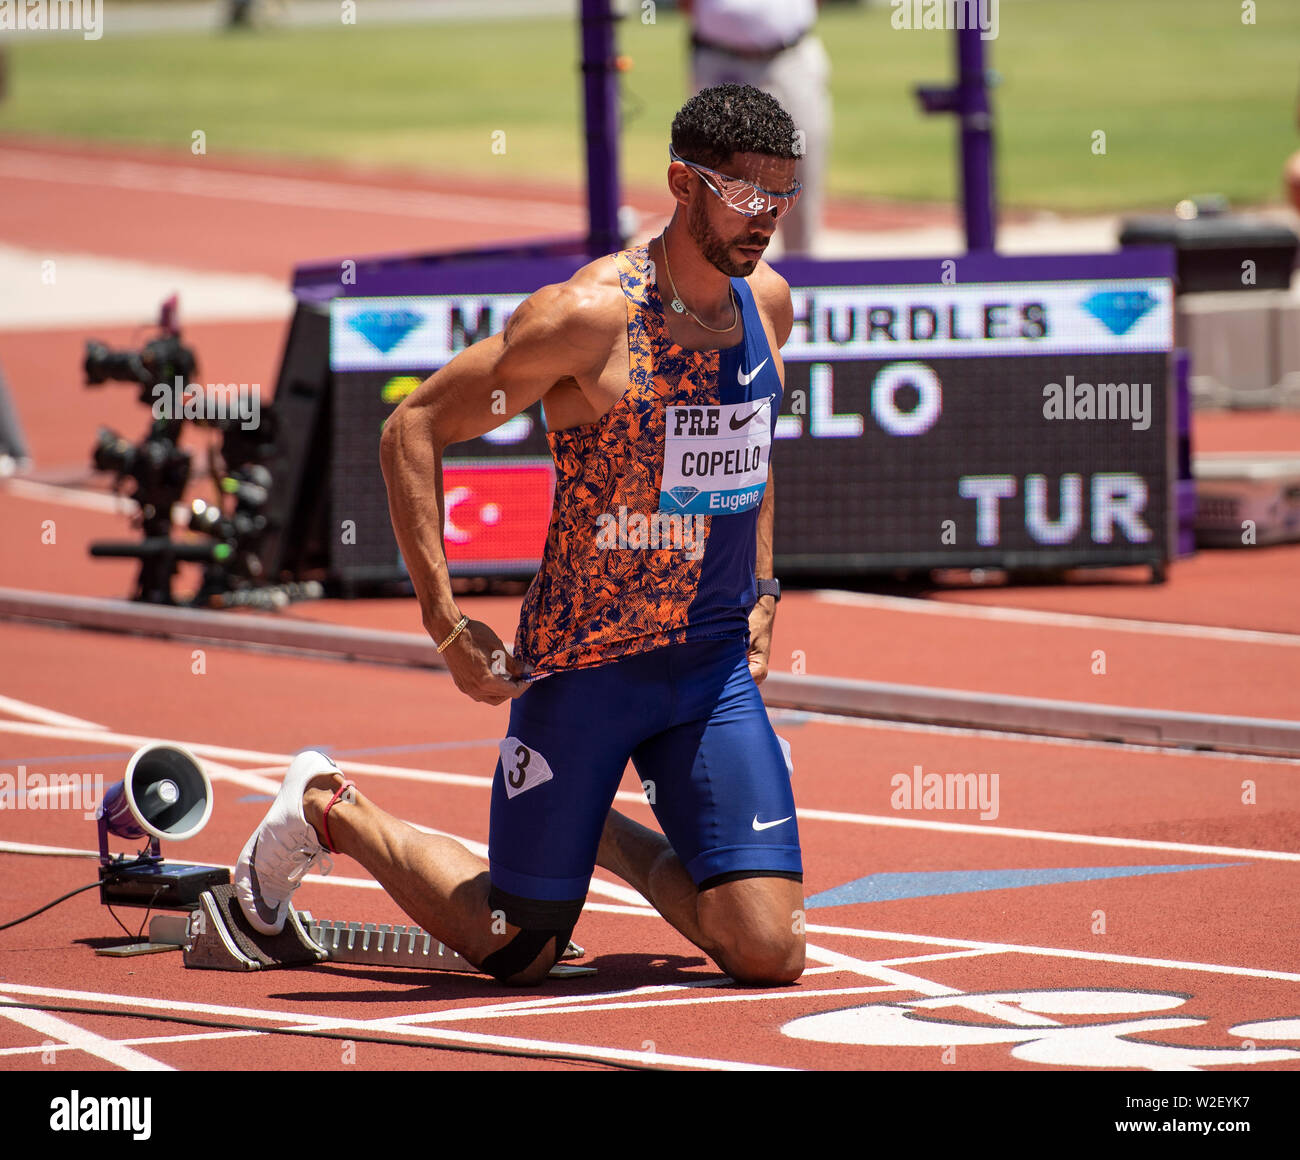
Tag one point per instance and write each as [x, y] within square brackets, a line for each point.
[1166, 966]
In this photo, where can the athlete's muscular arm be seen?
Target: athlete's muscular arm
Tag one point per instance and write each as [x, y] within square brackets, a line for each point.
[773, 293]
[555, 334]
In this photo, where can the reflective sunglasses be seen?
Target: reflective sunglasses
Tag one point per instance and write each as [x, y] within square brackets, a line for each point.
[743, 196]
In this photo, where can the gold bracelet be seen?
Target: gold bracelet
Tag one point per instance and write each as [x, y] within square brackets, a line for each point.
[455, 632]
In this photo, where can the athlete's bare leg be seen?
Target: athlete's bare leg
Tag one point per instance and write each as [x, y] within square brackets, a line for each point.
[435, 880]
[752, 927]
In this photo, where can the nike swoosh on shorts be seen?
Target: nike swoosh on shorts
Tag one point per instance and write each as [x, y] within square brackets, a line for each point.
[768, 825]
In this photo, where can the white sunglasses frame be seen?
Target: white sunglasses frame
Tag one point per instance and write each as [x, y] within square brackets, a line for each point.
[791, 195]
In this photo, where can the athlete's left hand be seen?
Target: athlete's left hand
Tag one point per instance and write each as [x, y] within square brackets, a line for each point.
[761, 619]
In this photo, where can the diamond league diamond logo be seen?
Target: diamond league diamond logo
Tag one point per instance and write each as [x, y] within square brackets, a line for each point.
[1119, 310]
[384, 329]
[684, 495]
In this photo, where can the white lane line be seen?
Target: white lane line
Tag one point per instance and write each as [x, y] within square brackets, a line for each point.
[300, 192]
[1047, 835]
[543, 1004]
[878, 970]
[98, 734]
[204, 750]
[795, 717]
[29, 848]
[29, 712]
[248, 778]
[461, 1015]
[610, 889]
[902, 981]
[434, 1035]
[604, 1000]
[145, 1041]
[79, 1039]
[939, 957]
[178, 1005]
[613, 1054]
[1054, 619]
[1056, 952]
[990, 1007]
[95, 501]
[219, 771]
[874, 970]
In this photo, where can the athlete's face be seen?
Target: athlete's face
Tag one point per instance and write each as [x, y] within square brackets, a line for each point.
[733, 242]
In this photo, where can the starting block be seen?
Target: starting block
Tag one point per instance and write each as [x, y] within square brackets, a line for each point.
[219, 938]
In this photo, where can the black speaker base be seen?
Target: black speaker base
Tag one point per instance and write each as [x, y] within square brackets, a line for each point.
[161, 885]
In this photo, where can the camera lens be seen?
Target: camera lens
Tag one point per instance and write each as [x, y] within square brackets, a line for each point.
[112, 453]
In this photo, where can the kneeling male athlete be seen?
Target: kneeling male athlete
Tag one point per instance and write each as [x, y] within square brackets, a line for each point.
[645, 620]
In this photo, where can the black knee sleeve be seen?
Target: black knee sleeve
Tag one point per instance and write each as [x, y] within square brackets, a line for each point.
[539, 922]
[518, 954]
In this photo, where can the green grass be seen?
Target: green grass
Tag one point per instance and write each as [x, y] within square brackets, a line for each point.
[1190, 99]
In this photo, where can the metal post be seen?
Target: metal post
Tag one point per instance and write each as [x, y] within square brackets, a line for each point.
[600, 102]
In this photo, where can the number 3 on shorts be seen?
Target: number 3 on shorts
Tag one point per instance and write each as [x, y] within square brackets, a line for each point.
[523, 768]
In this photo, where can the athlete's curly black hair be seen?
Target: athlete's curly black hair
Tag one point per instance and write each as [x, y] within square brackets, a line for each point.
[728, 119]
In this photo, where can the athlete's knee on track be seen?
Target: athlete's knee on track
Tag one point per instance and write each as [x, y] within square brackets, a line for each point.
[508, 966]
[760, 948]
[769, 962]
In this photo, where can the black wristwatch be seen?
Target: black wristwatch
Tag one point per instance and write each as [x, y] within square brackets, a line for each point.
[770, 587]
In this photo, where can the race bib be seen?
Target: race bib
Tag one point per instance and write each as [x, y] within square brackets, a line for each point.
[523, 768]
[715, 458]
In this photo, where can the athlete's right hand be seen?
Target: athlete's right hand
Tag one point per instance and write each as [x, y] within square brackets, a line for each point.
[483, 667]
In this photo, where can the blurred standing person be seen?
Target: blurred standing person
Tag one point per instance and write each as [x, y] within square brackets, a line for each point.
[256, 13]
[770, 44]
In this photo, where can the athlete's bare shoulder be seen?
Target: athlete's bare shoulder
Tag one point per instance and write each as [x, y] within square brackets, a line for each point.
[595, 294]
[772, 293]
[587, 312]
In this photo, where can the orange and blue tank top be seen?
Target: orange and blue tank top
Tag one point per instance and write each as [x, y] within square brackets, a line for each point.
[653, 528]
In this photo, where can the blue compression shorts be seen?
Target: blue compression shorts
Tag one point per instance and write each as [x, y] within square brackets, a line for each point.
[691, 720]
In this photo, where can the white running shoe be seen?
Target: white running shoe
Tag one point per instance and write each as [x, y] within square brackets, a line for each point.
[282, 849]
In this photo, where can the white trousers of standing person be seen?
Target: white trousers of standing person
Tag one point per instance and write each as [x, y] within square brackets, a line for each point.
[800, 79]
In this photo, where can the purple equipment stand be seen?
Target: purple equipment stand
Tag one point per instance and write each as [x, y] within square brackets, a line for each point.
[969, 100]
[600, 102]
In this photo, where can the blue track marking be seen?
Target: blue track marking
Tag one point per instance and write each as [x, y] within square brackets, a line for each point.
[932, 883]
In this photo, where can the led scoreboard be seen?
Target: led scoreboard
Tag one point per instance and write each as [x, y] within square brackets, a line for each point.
[983, 411]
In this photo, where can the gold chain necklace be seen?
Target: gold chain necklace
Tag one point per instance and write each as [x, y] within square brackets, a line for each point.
[678, 305]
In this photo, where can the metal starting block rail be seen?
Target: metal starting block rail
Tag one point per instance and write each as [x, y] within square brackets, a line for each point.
[218, 937]
[382, 945]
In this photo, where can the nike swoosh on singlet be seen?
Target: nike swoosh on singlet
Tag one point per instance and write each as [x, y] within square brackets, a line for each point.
[768, 825]
[746, 379]
[737, 426]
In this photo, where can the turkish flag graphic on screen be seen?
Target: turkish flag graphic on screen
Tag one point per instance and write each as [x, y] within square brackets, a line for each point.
[496, 513]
